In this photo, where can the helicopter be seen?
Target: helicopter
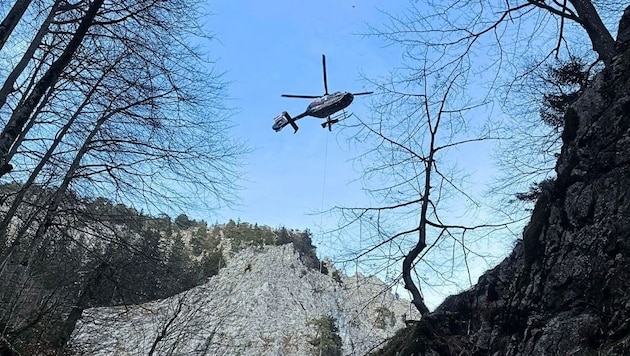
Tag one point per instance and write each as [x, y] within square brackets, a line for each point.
[324, 106]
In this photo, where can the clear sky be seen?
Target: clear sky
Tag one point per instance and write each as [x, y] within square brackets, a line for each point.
[269, 48]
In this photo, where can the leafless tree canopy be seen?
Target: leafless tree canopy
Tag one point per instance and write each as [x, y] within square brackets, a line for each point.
[114, 100]
[462, 62]
[110, 99]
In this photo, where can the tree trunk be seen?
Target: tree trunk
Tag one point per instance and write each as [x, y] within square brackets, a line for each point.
[23, 112]
[56, 200]
[416, 297]
[85, 296]
[12, 19]
[44, 160]
[9, 83]
[602, 40]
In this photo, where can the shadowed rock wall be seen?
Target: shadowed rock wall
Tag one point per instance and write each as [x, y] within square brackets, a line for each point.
[565, 289]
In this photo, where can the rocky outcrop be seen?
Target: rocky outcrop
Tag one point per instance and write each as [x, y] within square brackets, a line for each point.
[565, 289]
[264, 302]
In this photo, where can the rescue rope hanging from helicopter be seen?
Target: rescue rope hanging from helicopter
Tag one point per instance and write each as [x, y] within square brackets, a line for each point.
[321, 212]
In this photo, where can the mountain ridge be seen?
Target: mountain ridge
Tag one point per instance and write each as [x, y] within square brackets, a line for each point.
[265, 301]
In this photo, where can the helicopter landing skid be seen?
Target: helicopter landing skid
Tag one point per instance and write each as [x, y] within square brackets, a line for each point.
[335, 119]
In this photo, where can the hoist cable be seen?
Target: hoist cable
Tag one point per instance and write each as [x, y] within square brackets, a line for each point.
[324, 181]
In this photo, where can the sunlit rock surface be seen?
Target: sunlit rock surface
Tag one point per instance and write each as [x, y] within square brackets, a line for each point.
[262, 303]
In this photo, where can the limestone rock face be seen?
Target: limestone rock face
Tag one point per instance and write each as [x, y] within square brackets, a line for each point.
[565, 289]
[263, 302]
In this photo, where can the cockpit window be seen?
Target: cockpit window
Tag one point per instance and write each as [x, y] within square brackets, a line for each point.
[315, 103]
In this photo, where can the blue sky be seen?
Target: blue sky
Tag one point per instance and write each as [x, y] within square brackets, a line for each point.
[275, 47]
[271, 48]
[268, 48]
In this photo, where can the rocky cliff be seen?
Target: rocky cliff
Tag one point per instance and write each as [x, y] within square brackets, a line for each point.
[565, 289]
[264, 302]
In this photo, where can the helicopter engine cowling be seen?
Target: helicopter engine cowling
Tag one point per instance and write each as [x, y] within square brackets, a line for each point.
[329, 104]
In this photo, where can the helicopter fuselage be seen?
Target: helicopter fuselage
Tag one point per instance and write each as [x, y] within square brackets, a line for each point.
[329, 104]
[321, 107]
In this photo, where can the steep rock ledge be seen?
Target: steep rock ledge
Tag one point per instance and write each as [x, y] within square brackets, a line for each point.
[565, 289]
[264, 302]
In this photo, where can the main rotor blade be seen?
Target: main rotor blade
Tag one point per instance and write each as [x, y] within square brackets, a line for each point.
[325, 81]
[363, 93]
[301, 96]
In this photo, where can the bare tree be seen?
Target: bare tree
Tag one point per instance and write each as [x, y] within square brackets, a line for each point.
[409, 171]
[153, 110]
[470, 54]
[11, 20]
[107, 100]
[21, 114]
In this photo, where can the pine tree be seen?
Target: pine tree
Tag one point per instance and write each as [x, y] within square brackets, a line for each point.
[327, 341]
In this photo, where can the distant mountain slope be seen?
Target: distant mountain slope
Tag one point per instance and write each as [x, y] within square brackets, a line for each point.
[110, 255]
[264, 302]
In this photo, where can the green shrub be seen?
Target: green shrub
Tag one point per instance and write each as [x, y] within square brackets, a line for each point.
[327, 341]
